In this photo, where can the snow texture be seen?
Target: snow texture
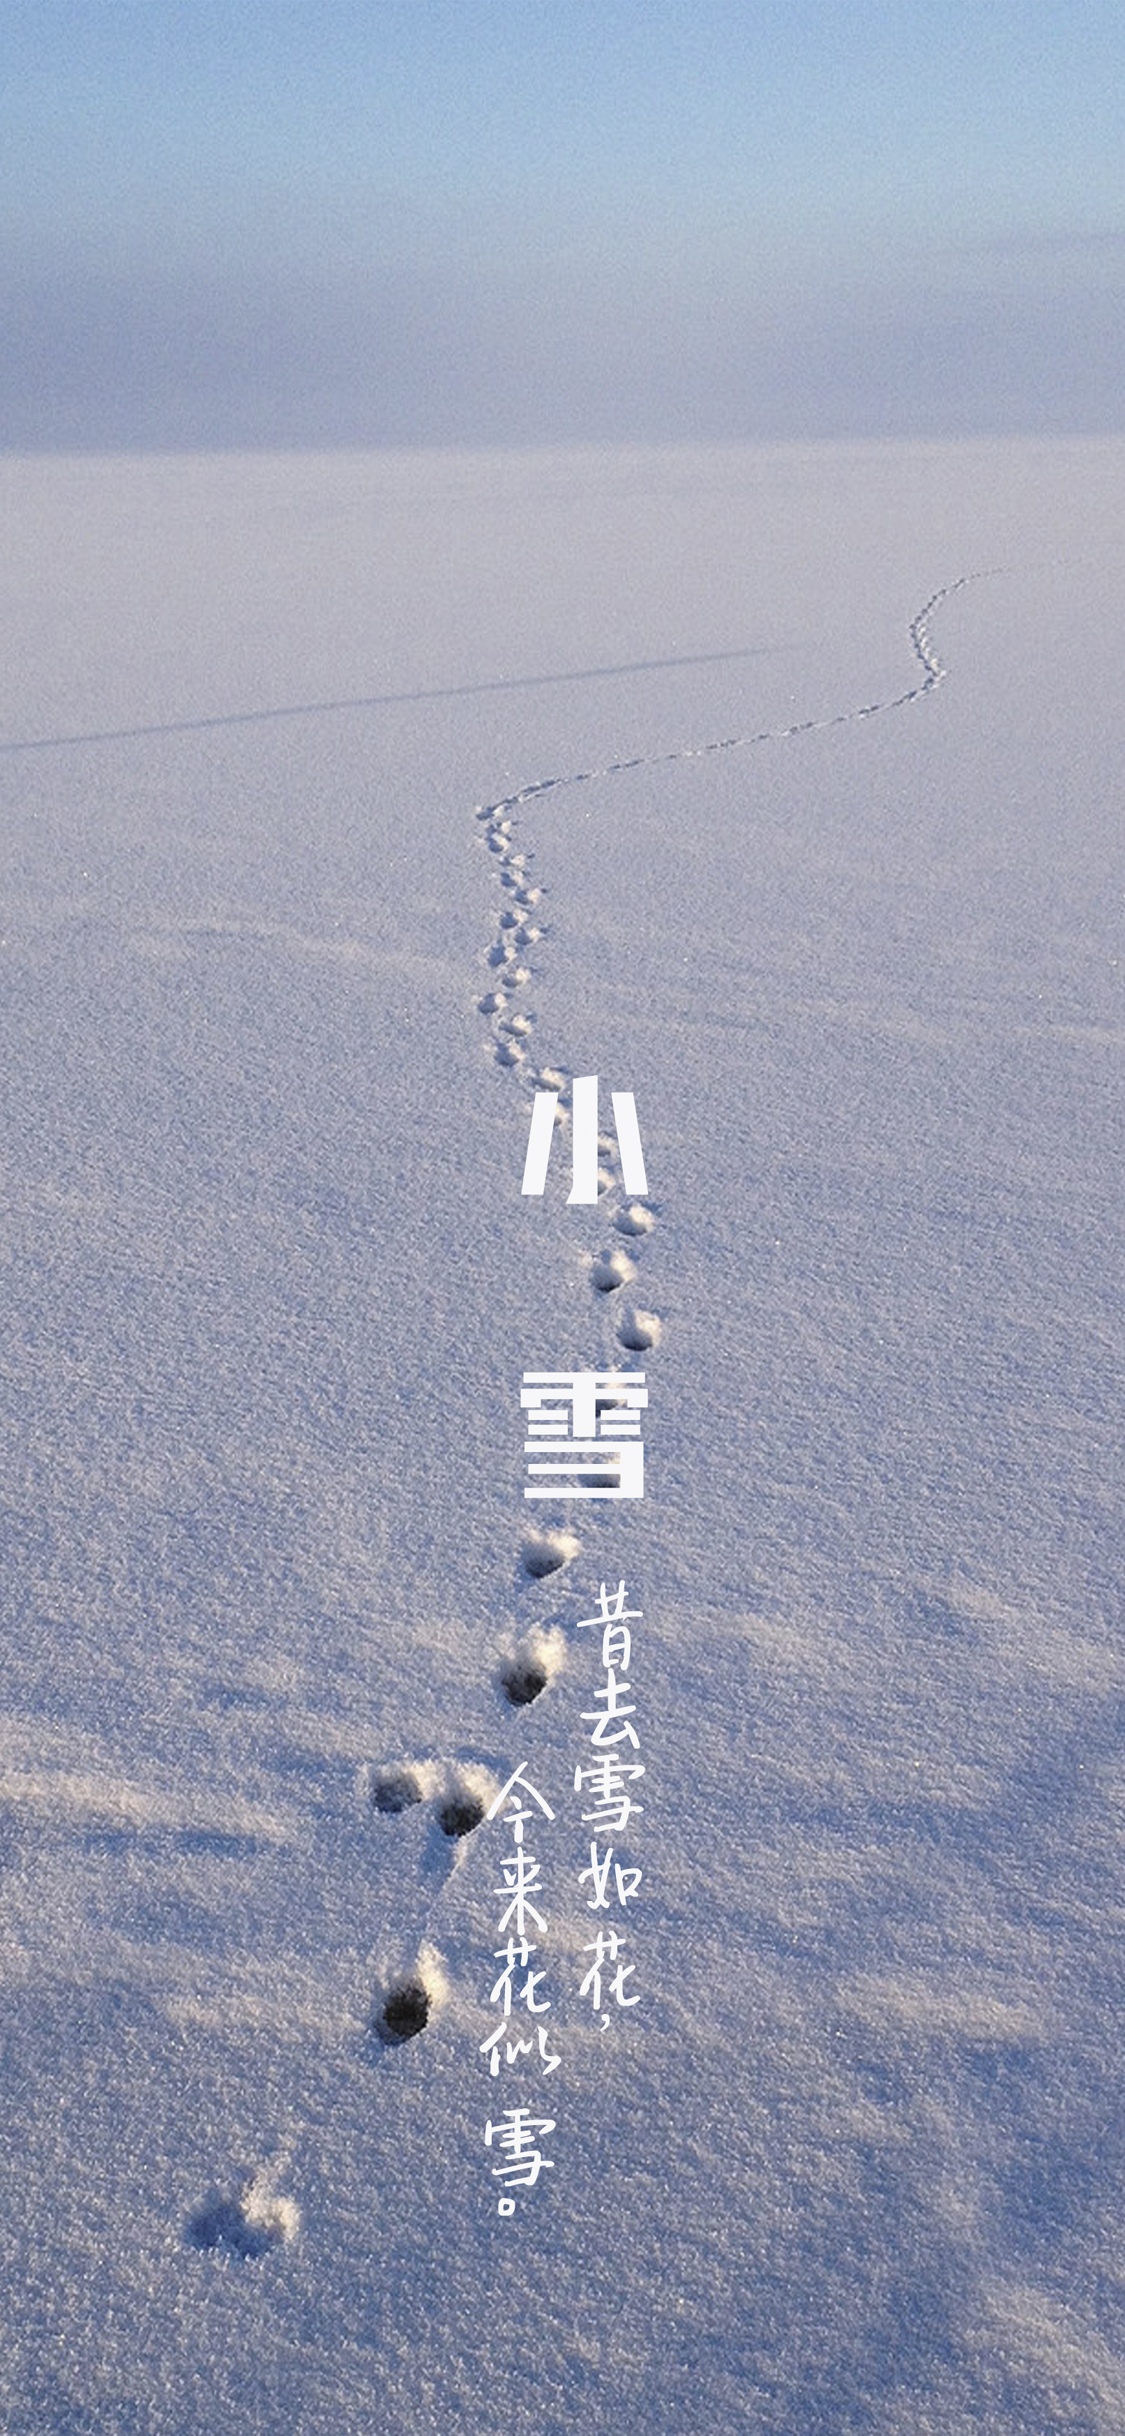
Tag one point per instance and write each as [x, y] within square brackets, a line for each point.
[348, 802]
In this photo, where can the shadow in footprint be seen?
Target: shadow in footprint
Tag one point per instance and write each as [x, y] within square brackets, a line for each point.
[545, 1552]
[522, 1681]
[395, 1789]
[530, 1665]
[407, 1998]
[224, 2225]
[634, 1220]
[459, 1813]
[610, 1271]
[461, 1804]
[638, 1331]
[451, 1796]
[246, 2227]
[403, 2013]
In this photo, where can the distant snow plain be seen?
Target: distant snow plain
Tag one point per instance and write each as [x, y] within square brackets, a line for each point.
[857, 2159]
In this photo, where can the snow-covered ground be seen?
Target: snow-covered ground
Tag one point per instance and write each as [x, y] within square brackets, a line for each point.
[857, 2158]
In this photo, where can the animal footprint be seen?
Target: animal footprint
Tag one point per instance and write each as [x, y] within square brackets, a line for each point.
[403, 2012]
[407, 2001]
[397, 1788]
[459, 1791]
[460, 1812]
[634, 1220]
[546, 1552]
[611, 1270]
[256, 2221]
[525, 1671]
[638, 1330]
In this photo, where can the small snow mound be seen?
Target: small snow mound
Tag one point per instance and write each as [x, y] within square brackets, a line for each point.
[634, 1220]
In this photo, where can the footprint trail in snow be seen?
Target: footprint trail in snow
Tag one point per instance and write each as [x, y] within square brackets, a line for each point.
[521, 926]
[530, 1663]
[436, 1804]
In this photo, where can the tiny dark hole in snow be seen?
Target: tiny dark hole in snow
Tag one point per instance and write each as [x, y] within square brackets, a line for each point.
[405, 2013]
[460, 1814]
[523, 1684]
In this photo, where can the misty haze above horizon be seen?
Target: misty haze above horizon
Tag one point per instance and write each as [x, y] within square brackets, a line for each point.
[426, 226]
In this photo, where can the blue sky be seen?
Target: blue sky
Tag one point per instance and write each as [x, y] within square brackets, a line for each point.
[342, 223]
